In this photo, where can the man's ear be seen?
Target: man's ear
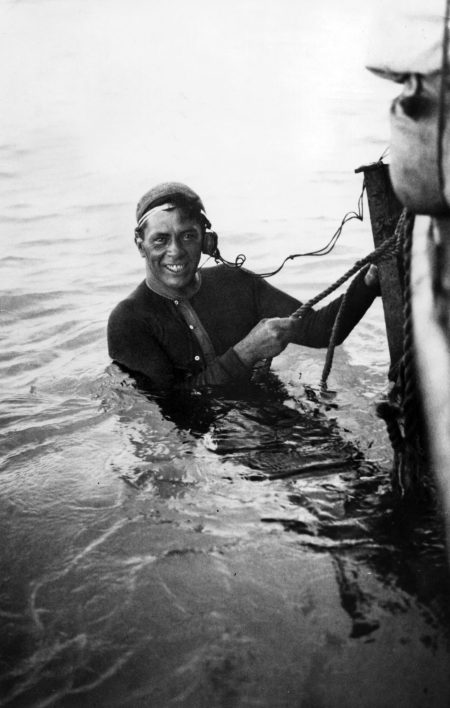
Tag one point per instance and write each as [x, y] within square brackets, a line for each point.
[139, 243]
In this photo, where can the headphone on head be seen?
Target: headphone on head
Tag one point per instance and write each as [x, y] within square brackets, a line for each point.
[210, 243]
[182, 196]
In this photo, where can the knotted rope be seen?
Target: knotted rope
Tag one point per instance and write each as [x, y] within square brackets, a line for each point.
[402, 411]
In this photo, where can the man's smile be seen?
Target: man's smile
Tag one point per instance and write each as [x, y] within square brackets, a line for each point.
[172, 247]
[175, 267]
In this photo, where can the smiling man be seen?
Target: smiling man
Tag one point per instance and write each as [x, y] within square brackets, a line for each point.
[187, 328]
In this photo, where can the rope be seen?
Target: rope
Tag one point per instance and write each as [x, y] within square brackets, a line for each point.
[391, 248]
[391, 414]
[407, 373]
[386, 250]
[401, 411]
[332, 344]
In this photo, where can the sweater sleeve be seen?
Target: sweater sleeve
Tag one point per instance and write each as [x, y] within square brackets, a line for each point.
[315, 327]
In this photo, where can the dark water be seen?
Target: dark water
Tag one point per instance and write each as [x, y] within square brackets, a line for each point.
[211, 550]
[232, 548]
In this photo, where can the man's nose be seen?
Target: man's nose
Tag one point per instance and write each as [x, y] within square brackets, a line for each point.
[175, 246]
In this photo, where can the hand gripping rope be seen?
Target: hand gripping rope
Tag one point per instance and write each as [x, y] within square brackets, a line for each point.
[388, 249]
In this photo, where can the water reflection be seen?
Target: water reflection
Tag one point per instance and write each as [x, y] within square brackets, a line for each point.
[229, 537]
[333, 499]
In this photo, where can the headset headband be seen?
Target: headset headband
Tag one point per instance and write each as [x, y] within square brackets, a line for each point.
[153, 210]
[167, 207]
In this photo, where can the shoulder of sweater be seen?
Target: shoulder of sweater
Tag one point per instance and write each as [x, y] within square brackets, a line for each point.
[226, 275]
[140, 300]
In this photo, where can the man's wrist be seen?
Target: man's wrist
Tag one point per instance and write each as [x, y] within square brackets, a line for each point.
[244, 354]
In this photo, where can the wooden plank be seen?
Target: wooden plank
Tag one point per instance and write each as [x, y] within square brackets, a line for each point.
[384, 210]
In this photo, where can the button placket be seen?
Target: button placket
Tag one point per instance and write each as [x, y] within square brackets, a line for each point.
[199, 337]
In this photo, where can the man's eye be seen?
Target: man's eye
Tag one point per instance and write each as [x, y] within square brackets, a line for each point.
[159, 240]
[189, 235]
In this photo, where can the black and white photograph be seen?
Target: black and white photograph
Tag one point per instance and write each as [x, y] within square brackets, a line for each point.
[225, 354]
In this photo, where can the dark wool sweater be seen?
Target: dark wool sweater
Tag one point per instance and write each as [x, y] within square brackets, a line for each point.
[190, 343]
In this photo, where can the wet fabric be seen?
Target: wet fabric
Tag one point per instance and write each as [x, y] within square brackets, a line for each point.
[149, 335]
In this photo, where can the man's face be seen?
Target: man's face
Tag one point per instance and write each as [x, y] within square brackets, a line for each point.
[172, 248]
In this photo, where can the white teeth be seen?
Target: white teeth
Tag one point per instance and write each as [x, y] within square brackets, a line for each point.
[175, 268]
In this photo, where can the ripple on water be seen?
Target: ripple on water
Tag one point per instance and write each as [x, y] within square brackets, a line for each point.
[34, 303]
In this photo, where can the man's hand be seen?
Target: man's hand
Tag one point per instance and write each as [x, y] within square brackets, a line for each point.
[372, 280]
[266, 340]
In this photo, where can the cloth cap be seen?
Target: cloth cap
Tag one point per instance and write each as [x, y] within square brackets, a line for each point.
[174, 192]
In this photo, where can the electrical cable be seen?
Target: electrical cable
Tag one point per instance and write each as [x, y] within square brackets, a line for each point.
[323, 251]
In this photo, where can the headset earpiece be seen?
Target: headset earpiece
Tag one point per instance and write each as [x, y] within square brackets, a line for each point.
[210, 243]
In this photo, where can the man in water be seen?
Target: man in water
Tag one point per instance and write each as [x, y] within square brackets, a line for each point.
[187, 328]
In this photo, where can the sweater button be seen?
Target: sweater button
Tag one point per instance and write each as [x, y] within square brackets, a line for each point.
[175, 302]
[191, 326]
[197, 358]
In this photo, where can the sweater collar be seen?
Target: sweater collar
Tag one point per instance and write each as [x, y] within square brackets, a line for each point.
[171, 293]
